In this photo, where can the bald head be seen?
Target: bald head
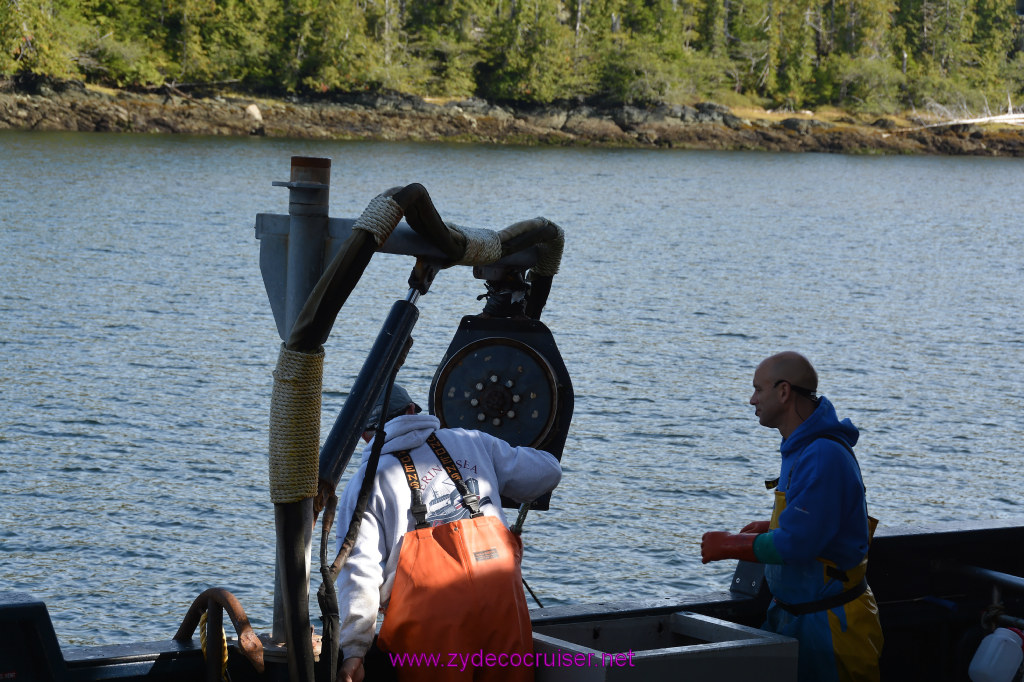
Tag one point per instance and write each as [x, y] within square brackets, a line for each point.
[792, 367]
[784, 388]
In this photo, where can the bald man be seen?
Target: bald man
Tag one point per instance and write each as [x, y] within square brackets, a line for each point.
[815, 546]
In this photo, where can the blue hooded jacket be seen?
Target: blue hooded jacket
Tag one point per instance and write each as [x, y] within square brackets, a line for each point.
[825, 518]
[826, 513]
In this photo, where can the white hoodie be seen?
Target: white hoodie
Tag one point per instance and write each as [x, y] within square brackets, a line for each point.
[490, 467]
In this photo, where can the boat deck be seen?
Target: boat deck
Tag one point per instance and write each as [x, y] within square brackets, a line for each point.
[933, 585]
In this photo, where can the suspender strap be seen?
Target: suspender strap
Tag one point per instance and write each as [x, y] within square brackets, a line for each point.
[844, 597]
[418, 509]
[469, 500]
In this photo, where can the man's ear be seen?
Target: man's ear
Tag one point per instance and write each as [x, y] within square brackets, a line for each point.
[787, 392]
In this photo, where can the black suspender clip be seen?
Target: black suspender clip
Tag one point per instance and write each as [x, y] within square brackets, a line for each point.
[470, 501]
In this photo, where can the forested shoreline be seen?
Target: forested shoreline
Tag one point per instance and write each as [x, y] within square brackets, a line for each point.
[950, 57]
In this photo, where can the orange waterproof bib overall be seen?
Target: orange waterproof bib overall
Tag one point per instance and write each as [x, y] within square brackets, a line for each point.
[457, 600]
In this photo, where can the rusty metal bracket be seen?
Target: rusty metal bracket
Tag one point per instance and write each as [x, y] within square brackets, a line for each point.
[215, 601]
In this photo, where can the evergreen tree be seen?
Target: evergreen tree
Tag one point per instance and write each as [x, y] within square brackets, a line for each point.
[713, 27]
[385, 20]
[773, 40]
[749, 23]
[445, 35]
[591, 27]
[797, 55]
[240, 40]
[339, 54]
[529, 54]
[948, 26]
[860, 72]
[993, 43]
[859, 27]
[295, 29]
[36, 37]
[648, 54]
[122, 42]
[189, 21]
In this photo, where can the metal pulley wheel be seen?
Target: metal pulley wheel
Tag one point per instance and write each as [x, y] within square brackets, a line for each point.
[500, 386]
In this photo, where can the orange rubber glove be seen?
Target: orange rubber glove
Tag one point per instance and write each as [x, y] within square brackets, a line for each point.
[756, 527]
[718, 545]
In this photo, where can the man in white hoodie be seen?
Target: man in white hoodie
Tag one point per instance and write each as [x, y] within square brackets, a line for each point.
[489, 468]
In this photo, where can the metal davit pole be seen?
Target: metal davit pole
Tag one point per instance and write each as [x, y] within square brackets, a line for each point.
[295, 431]
[308, 198]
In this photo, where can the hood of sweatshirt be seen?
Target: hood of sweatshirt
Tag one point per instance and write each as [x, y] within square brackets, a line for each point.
[405, 432]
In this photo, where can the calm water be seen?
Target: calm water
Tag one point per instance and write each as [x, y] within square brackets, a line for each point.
[137, 346]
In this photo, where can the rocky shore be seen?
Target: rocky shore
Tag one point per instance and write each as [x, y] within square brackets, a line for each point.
[392, 117]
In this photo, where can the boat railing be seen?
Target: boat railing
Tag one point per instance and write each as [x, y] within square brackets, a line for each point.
[994, 616]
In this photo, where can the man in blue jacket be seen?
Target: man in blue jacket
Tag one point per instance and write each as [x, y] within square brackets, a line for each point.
[815, 546]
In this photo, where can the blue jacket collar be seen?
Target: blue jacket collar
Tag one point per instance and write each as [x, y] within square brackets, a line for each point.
[822, 422]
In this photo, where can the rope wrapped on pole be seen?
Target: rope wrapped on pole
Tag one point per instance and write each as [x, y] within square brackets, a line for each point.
[549, 256]
[294, 462]
[295, 425]
[465, 245]
[548, 237]
[379, 218]
[483, 246]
